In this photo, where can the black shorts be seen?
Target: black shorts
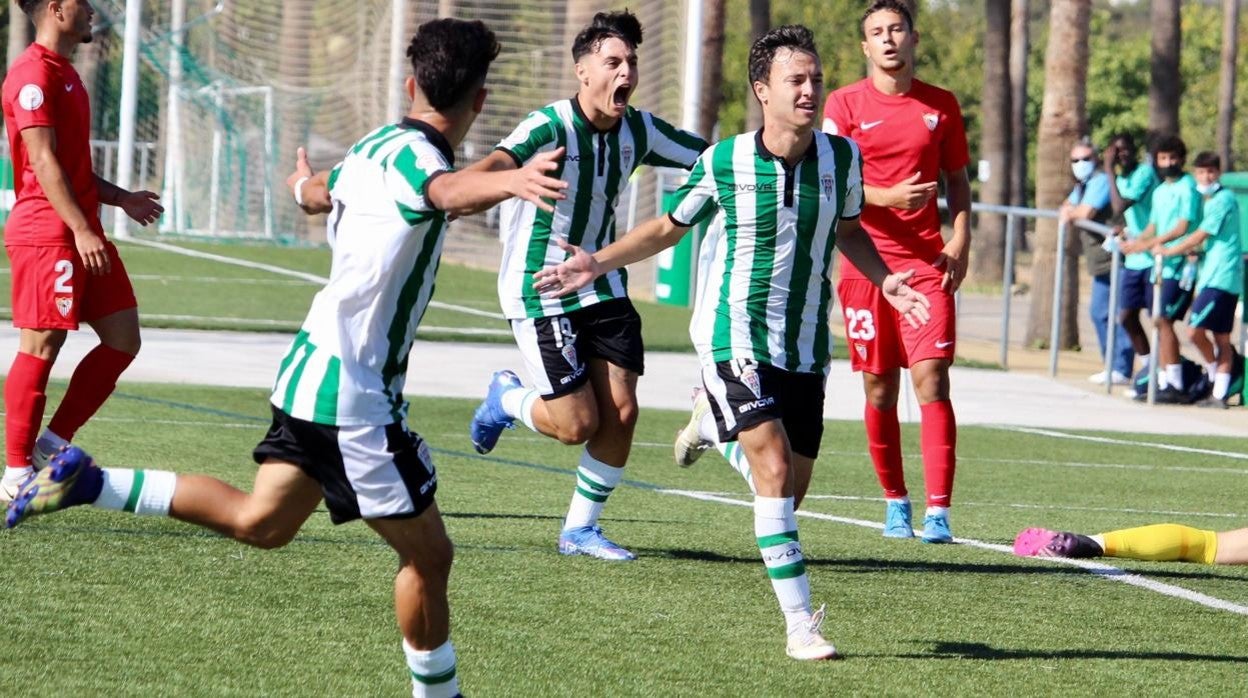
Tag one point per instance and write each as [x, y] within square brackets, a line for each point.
[1136, 290]
[1214, 310]
[744, 393]
[367, 472]
[1175, 300]
[557, 349]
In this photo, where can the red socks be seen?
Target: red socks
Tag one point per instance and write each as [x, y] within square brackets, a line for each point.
[25, 394]
[884, 442]
[93, 381]
[939, 440]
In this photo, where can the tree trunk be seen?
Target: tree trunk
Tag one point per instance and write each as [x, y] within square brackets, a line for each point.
[712, 95]
[577, 14]
[1165, 85]
[1063, 119]
[21, 33]
[988, 244]
[760, 23]
[293, 69]
[1226, 89]
[1020, 47]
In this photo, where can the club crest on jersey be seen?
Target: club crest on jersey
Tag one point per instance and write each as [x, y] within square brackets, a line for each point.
[569, 354]
[64, 304]
[829, 186]
[626, 155]
[862, 351]
[931, 120]
[749, 377]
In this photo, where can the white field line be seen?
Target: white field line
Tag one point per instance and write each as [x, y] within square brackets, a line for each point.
[1102, 570]
[238, 280]
[1126, 442]
[282, 271]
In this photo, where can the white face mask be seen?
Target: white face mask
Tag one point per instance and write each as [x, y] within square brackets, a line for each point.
[1083, 169]
[1207, 189]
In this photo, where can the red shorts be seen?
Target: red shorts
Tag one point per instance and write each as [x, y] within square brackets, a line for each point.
[881, 340]
[53, 291]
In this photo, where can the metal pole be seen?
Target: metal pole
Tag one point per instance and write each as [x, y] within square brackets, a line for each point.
[269, 148]
[1111, 323]
[214, 187]
[398, 29]
[1055, 330]
[693, 67]
[1155, 335]
[1007, 292]
[173, 120]
[129, 105]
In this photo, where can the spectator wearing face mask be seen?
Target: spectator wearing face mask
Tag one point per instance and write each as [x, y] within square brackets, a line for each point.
[1090, 200]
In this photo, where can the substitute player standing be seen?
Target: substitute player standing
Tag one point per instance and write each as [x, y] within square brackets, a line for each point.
[64, 270]
[910, 133]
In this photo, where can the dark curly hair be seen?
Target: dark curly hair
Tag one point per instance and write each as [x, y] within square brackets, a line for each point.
[887, 6]
[1172, 144]
[622, 25]
[450, 59]
[791, 36]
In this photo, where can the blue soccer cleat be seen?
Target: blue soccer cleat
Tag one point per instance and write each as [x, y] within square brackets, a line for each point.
[70, 479]
[588, 540]
[489, 421]
[936, 529]
[897, 519]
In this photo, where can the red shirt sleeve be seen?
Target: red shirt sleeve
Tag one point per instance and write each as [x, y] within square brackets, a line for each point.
[835, 115]
[31, 96]
[954, 154]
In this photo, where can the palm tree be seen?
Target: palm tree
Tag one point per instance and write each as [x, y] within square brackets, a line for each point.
[1020, 47]
[21, 33]
[1063, 119]
[988, 246]
[712, 93]
[1165, 86]
[760, 23]
[293, 68]
[1226, 89]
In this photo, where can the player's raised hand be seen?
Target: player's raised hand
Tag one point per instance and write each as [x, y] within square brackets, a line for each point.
[911, 194]
[302, 168]
[533, 184]
[568, 277]
[910, 303]
[143, 207]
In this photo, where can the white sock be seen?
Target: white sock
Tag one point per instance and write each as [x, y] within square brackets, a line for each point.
[595, 481]
[735, 455]
[1221, 385]
[1100, 540]
[775, 527]
[50, 442]
[1211, 369]
[147, 492]
[433, 672]
[17, 473]
[937, 511]
[518, 404]
[1174, 376]
[707, 428]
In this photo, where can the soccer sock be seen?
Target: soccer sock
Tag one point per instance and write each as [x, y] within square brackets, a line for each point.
[433, 672]
[735, 455]
[24, 398]
[518, 404]
[938, 437]
[775, 526]
[16, 474]
[1163, 542]
[93, 381]
[707, 428]
[884, 443]
[140, 491]
[595, 481]
[1174, 376]
[936, 511]
[1221, 385]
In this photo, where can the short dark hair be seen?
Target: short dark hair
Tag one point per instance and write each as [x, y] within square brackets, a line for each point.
[1125, 137]
[450, 59]
[886, 6]
[622, 25]
[1207, 159]
[30, 7]
[791, 36]
[1170, 143]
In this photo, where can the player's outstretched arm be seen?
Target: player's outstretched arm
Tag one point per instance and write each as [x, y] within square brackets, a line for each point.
[476, 189]
[856, 245]
[311, 189]
[40, 142]
[581, 268]
[143, 206]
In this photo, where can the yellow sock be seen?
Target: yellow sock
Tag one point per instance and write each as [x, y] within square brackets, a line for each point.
[1163, 542]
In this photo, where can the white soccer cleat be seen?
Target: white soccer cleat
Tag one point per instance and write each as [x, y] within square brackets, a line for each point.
[807, 644]
[690, 445]
[8, 490]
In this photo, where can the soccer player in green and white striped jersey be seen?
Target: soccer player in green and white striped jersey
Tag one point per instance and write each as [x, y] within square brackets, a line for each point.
[782, 198]
[339, 418]
[583, 353]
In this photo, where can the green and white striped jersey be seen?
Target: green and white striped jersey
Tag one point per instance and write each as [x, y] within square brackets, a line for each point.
[596, 166]
[764, 269]
[347, 365]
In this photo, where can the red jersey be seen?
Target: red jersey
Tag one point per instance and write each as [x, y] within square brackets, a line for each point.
[920, 131]
[43, 89]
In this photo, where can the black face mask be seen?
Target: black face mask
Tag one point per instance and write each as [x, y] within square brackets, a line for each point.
[1171, 171]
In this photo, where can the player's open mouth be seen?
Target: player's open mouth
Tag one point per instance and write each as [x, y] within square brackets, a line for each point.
[619, 98]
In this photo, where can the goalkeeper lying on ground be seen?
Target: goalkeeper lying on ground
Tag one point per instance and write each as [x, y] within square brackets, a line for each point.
[1163, 542]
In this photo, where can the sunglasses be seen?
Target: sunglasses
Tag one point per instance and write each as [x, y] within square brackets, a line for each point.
[1075, 160]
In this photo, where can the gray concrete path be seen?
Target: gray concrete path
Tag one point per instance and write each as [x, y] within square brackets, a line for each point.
[985, 397]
